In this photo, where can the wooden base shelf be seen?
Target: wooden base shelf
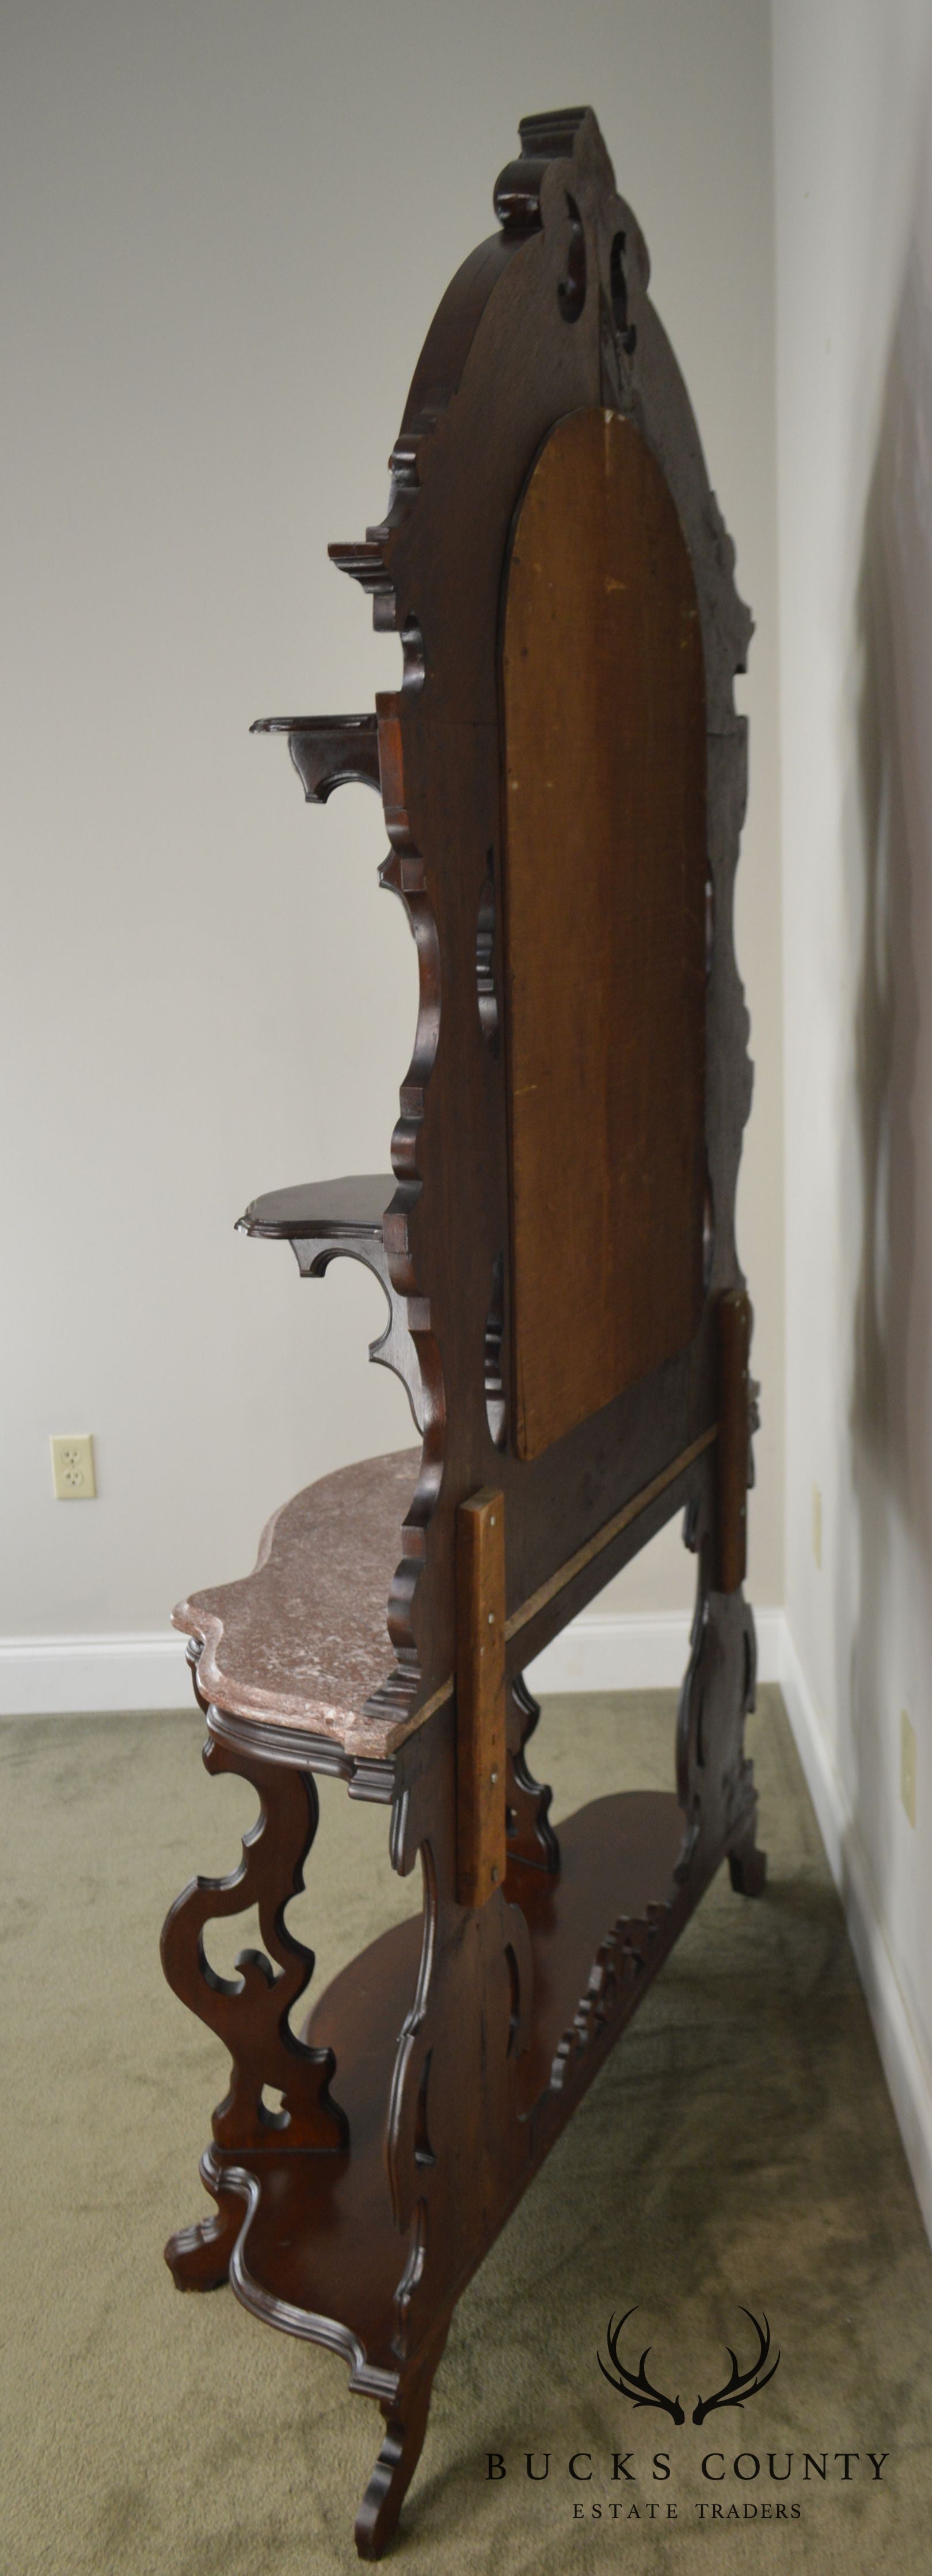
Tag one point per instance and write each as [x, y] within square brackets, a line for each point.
[319, 2254]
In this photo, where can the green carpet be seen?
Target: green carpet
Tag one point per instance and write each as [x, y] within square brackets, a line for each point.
[738, 2150]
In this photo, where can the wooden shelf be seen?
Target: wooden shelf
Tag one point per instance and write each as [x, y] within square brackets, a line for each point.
[321, 2255]
[322, 1210]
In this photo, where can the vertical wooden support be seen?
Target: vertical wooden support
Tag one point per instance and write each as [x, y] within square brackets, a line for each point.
[734, 1431]
[480, 1697]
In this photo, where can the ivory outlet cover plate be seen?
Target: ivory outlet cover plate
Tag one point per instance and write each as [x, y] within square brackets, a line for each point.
[73, 1467]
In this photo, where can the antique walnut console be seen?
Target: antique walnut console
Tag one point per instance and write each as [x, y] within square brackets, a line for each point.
[563, 778]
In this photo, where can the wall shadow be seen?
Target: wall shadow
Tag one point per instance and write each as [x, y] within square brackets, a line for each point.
[891, 1411]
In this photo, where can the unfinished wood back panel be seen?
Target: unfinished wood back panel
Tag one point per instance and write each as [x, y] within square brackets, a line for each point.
[604, 919]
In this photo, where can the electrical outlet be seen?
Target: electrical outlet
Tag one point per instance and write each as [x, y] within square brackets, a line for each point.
[817, 1525]
[73, 1468]
[908, 1765]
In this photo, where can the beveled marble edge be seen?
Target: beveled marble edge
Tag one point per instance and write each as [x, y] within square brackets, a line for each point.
[356, 1732]
[353, 1728]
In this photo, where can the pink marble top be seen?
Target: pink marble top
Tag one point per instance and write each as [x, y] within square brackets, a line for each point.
[303, 1641]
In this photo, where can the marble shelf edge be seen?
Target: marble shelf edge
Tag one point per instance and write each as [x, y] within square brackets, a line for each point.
[322, 1572]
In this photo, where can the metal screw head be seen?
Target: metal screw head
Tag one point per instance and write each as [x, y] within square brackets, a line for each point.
[491, 1618]
[494, 1777]
[495, 1873]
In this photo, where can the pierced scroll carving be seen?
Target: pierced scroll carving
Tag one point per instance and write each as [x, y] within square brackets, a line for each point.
[617, 1970]
[251, 2012]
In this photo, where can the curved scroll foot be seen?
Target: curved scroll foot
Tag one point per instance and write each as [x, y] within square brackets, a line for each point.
[405, 2426]
[748, 1869]
[198, 2257]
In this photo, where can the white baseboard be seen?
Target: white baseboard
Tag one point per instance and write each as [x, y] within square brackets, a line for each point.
[904, 2062]
[637, 1650]
[59, 1676]
[73, 1676]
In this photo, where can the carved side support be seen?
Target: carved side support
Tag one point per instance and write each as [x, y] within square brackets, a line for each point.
[404, 875]
[251, 2011]
[734, 1438]
[394, 1348]
[405, 2426]
[715, 1780]
[530, 1836]
[452, 2133]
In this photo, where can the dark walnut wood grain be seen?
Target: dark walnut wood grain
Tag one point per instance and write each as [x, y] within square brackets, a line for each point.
[480, 1699]
[604, 912]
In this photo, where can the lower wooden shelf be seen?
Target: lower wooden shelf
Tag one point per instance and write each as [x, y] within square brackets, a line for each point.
[319, 2254]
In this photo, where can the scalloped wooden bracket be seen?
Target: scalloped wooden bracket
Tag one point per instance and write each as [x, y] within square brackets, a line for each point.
[326, 1219]
[329, 751]
[365, 563]
[251, 2011]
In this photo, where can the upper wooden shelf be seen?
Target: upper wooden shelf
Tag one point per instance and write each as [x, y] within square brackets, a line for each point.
[322, 1211]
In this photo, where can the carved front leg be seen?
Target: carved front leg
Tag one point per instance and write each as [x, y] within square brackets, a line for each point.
[250, 2012]
[405, 2426]
[199, 2257]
